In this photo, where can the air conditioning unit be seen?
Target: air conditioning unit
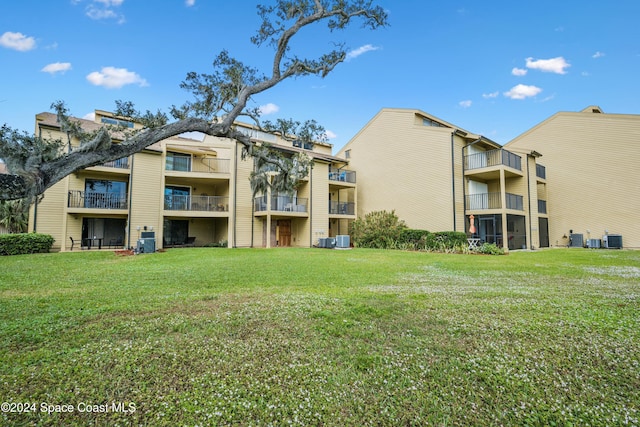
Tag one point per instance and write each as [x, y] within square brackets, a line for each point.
[331, 242]
[343, 241]
[593, 243]
[576, 240]
[146, 246]
[612, 241]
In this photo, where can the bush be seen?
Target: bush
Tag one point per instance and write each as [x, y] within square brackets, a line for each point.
[413, 239]
[490, 249]
[25, 243]
[446, 241]
[378, 229]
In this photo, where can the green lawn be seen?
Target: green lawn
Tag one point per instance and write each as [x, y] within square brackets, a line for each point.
[321, 337]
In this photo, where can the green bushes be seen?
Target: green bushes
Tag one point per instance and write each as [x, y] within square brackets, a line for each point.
[25, 243]
[490, 249]
[384, 230]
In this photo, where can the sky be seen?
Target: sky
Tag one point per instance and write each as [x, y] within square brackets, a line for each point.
[494, 68]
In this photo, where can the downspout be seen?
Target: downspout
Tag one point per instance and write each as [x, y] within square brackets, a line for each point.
[311, 206]
[529, 197]
[464, 191]
[130, 199]
[235, 200]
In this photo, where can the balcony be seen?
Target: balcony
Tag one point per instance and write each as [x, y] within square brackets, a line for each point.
[281, 204]
[541, 171]
[198, 164]
[122, 163]
[485, 201]
[492, 158]
[542, 206]
[196, 203]
[94, 200]
[342, 208]
[341, 175]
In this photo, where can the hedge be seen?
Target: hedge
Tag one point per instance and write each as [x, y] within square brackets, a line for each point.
[25, 243]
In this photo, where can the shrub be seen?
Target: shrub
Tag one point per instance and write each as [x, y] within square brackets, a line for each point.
[413, 239]
[25, 243]
[446, 241]
[490, 249]
[378, 229]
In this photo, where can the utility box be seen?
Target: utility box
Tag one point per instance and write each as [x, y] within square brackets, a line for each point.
[146, 246]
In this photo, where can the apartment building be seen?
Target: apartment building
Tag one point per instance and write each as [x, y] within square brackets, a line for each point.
[592, 172]
[187, 191]
[438, 176]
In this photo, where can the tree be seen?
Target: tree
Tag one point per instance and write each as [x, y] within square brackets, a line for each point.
[219, 99]
[14, 215]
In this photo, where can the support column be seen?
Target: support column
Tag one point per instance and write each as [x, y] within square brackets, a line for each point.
[503, 204]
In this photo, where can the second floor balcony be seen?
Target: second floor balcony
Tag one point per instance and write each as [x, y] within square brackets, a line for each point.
[281, 204]
[197, 164]
[174, 202]
[342, 208]
[97, 200]
[484, 201]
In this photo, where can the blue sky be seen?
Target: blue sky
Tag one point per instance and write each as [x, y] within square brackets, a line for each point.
[494, 68]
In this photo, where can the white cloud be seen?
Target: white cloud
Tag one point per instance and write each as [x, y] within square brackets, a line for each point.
[56, 67]
[104, 9]
[115, 78]
[362, 49]
[269, 108]
[465, 104]
[519, 71]
[330, 135]
[491, 95]
[597, 55]
[17, 41]
[190, 3]
[522, 92]
[553, 65]
[90, 116]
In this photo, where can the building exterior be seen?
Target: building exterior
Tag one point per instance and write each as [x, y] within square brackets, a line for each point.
[438, 177]
[192, 192]
[592, 172]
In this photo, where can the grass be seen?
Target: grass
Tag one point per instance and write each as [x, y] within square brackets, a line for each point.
[320, 337]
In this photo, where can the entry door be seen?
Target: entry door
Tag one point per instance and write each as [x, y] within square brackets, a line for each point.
[543, 227]
[284, 232]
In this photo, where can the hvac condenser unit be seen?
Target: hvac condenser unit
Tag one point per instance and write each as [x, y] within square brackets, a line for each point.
[593, 243]
[612, 241]
[342, 241]
[146, 246]
[575, 240]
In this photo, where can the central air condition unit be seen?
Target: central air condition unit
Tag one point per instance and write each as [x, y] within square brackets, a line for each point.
[612, 241]
[331, 242]
[322, 243]
[593, 243]
[575, 240]
[146, 246]
[342, 241]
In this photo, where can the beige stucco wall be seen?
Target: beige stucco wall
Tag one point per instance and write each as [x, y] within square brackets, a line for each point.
[591, 162]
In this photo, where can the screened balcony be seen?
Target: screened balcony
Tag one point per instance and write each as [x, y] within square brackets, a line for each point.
[281, 204]
[186, 163]
[342, 208]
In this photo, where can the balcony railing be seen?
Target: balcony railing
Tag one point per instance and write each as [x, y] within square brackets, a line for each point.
[204, 165]
[541, 172]
[542, 206]
[93, 200]
[342, 175]
[196, 203]
[342, 208]
[122, 163]
[493, 201]
[492, 158]
[281, 204]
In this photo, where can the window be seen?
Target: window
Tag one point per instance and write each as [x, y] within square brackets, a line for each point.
[429, 122]
[178, 162]
[347, 154]
[305, 145]
[116, 122]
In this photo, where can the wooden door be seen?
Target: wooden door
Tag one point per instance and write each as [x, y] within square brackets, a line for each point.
[284, 232]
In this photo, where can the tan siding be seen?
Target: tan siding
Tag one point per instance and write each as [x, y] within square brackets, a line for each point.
[320, 213]
[406, 167]
[244, 205]
[147, 195]
[592, 180]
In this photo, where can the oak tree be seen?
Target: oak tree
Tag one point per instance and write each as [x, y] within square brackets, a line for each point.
[218, 99]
